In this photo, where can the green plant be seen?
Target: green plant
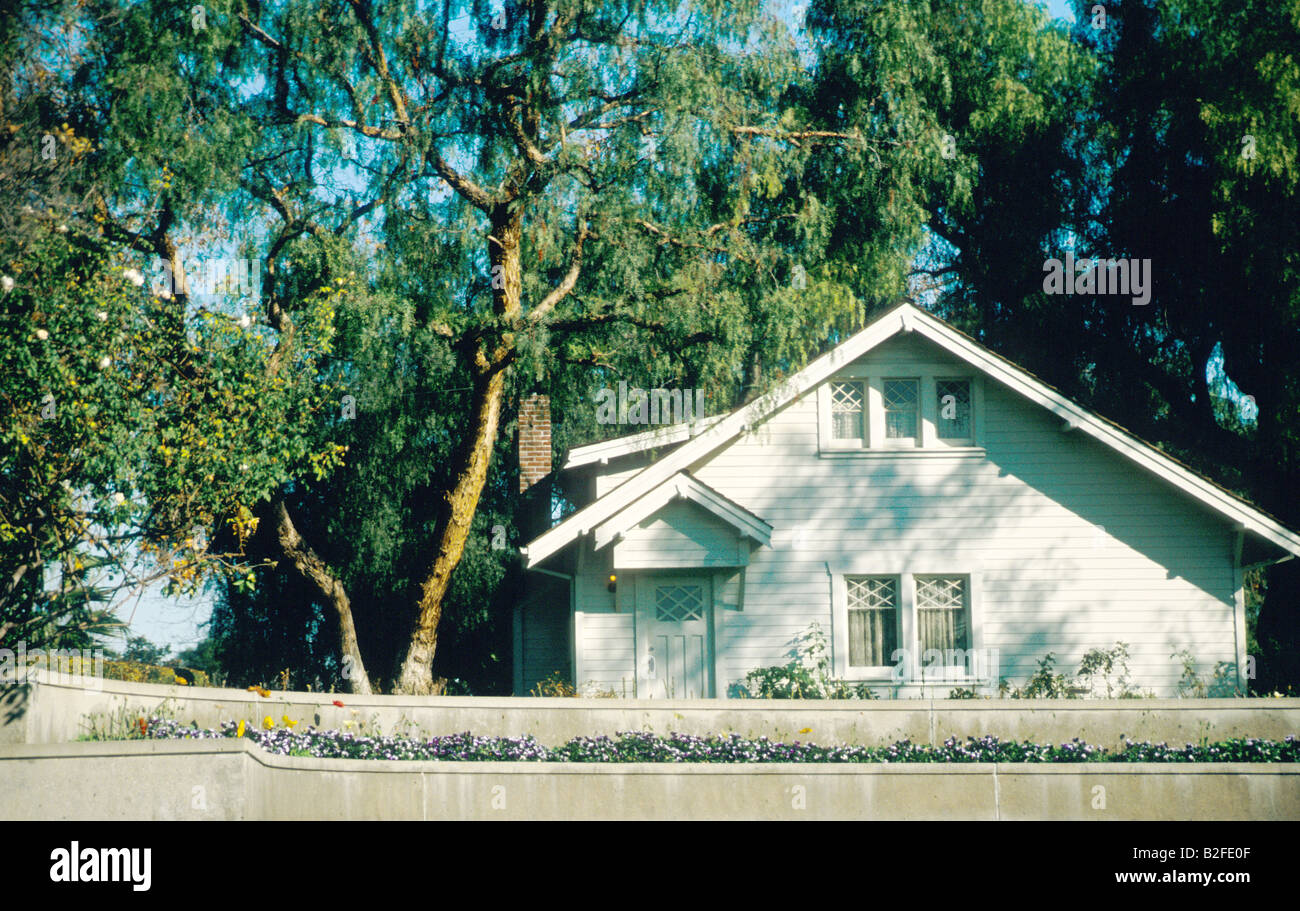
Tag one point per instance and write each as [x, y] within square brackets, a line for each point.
[647, 746]
[1044, 683]
[1098, 665]
[125, 722]
[1103, 663]
[1190, 684]
[806, 676]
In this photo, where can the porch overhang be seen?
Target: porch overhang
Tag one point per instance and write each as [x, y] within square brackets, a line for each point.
[684, 487]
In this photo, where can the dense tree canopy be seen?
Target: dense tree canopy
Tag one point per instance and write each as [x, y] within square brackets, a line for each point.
[449, 205]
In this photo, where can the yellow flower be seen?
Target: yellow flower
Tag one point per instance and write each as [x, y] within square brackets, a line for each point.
[268, 722]
[239, 732]
[805, 730]
[287, 722]
[179, 681]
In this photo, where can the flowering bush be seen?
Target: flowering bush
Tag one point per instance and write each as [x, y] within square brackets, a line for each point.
[644, 746]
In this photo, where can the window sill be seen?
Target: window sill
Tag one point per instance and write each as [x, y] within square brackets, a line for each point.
[953, 683]
[867, 675]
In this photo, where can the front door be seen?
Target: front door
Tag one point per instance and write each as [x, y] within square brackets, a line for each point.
[673, 619]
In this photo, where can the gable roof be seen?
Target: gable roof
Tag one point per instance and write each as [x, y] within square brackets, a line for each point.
[682, 485]
[908, 319]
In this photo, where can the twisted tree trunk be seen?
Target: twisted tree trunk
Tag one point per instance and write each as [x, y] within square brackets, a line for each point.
[317, 571]
[473, 457]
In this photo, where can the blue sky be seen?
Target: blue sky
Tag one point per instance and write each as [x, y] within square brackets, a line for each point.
[176, 622]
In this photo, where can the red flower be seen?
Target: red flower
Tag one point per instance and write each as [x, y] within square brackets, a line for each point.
[144, 727]
[339, 704]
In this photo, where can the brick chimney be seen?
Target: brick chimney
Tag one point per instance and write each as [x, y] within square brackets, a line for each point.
[534, 440]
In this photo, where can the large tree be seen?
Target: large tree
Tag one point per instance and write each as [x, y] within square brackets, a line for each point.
[576, 169]
[134, 419]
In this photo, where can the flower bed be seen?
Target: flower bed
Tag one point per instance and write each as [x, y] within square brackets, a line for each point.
[642, 746]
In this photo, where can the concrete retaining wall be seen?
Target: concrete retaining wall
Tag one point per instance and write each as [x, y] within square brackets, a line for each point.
[50, 711]
[233, 779]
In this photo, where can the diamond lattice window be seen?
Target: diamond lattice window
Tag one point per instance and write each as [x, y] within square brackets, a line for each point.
[847, 411]
[946, 593]
[873, 620]
[901, 399]
[941, 613]
[679, 602]
[954, 409]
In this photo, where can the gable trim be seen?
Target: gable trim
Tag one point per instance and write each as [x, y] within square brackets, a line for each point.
[1078, 418]
[682, 485]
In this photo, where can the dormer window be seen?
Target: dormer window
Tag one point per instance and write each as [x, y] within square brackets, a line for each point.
[848, 411]
[902, 401]
[953, 406]
[872, 410]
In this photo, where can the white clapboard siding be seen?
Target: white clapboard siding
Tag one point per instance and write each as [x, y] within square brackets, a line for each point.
[603, 630]
[607, 482]
[681, 534]
[608, 662]
[1074, 547]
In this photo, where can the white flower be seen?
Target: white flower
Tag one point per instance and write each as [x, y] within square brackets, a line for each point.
[63, 229]
[102, 315]
[118, 499]
[42, 334]
[7, 283]
[104, 362]
[245, 322]
[134, 277]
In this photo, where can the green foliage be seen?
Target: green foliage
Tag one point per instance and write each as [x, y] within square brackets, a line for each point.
[125, 431]
[124, 722]
[1044, 683]
[1094, 674]
[1220, 683]
[141, 650]
[748, 200]
[1098, 662]
[806, 676]
[202, 659]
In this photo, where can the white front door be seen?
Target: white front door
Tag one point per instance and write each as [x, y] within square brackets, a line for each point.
[673, 619]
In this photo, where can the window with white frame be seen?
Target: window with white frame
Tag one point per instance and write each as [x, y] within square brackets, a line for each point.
[902, 401]
[872, 620]
[941, 613]
[876, 414]
[909, 627]
[848, 411]
[953, 407]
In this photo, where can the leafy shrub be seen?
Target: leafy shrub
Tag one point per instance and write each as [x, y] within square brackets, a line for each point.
[134, 672]
[128, 671]
[1222, 681]
[645, 746]
[1102, 663]
[807, 676]
[553, 684]
[1045, 684]
[1096, 669]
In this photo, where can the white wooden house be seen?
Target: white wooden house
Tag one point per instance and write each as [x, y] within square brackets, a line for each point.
[924, 500]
